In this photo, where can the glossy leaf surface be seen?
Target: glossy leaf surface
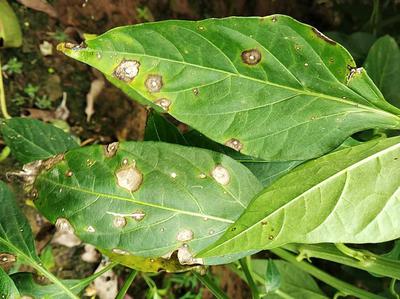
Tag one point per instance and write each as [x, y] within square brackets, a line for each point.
[270, 87]
[15, 233]
[184, 200]
[7, 287]
[294, 283]
[31, 139]
[383, 65]
[348, 196]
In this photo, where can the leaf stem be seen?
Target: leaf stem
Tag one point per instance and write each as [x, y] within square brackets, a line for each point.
[250, 281]
[53, 279]
[370, 262]
[344, 287]
[127, 284]
[3, 104]
[209, 283]
[392, 289]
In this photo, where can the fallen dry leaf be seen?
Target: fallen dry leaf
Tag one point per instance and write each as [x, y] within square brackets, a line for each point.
[96, 87]
[40, 5]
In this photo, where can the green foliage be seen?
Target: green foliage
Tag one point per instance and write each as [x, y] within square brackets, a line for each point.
[10, 31]
[383, 65]
[13, 66]
[330, 194]
[146, 199]
[8, 289]
[32, 140]
[292, 282]
[270, 87]
[269, 160]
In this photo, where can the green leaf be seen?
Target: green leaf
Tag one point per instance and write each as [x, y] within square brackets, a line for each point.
[272, 277]
[31, 139]
[383, 65]
[270, 87]
[7, 287]
[10, 31]
[294, 283]
[357, 43]
[146, 198]
[15, 233]
[16, 240]
[28, 287]
[348, 196]
[160, 129]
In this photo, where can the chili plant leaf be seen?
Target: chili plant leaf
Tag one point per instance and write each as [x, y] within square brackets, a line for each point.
[160, 129]
[28, 287]
[294, 283]
[270, 87]
[7, 287]
[31, 139]
[348, 196]
[16, 240]
[383, 65]
[10, 31]
[145, 198]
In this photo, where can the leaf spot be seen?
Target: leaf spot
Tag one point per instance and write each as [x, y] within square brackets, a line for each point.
[7, 258]
[63, 225]
[127, 70]
[154, 83]
[69, 173]
[173, 175]
[90, 229]
[195, 91]
[202, 175]
[163, 103]
[185, 257]
[323, 36]
[119, 251]
[354, 71]
[138, 215]
[119, 221]
[111, 149]
[129, 178]
[271, 237]
[185, 235]
[251, 57]
[221, 175]
[235, 144]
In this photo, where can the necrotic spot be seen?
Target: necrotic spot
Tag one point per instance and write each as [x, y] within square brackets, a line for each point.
[323, 36]
[127, 70]
[251, 57]
[221, 175]
[163, 103]
[154, 83]
[235, 144]
[129, 178]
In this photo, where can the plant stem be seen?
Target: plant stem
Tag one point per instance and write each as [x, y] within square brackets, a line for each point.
[249, 278]
[370, 262]
[344, 287]
[127, 284]
[393, 288]
[3, 104]
[209, 283]
[54, 280]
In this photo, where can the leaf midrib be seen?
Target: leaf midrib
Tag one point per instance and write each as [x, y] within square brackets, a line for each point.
[132, 200]
[355, 165]
[299, 91]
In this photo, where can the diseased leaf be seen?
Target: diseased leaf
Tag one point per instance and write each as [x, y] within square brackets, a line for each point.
[383, 65]
[357, 43]
[7, 287]
[294, 283]
[16, 238]
[31, 139]
[348, 196]
[28, 287]
[270, 87]
[146, 199]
